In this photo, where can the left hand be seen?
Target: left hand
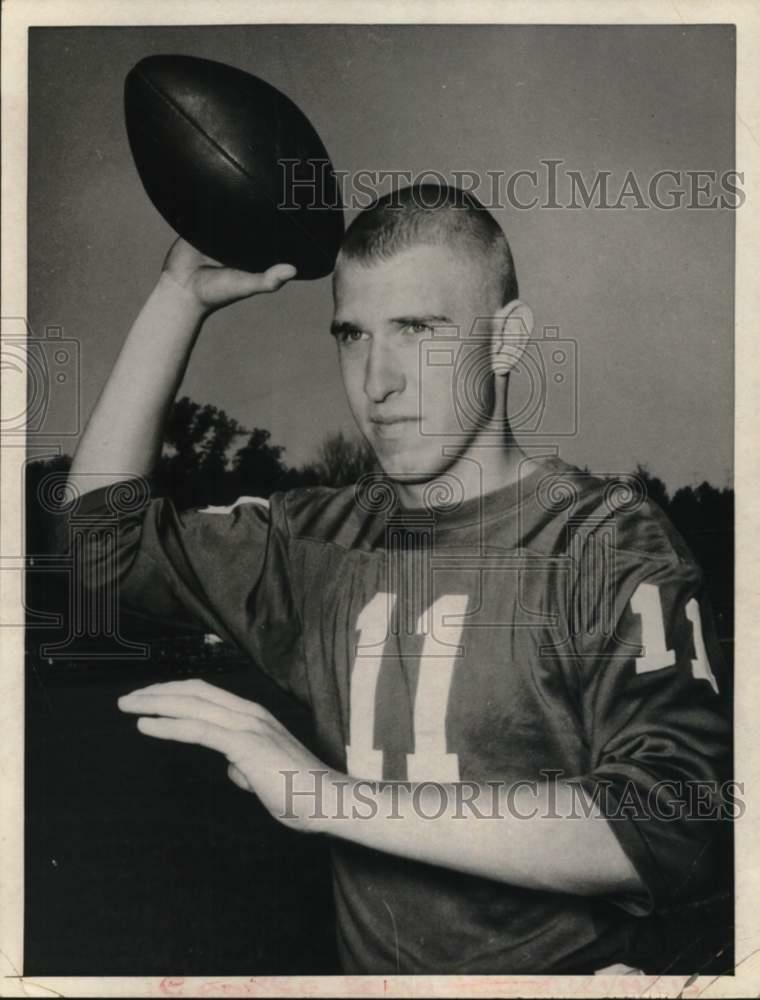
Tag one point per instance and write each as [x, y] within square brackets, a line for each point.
[257, 746]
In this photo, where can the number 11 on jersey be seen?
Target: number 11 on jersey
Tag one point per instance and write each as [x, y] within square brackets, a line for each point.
[430, 760]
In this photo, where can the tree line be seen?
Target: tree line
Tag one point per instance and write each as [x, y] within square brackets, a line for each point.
[209, 458]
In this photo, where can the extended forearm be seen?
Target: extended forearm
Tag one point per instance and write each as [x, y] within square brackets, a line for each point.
[538, 837]
[123, 436]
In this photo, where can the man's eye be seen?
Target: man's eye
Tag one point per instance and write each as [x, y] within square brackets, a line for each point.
[350, 336]
[418, 327]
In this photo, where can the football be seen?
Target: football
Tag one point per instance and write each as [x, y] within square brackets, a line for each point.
[233, 165]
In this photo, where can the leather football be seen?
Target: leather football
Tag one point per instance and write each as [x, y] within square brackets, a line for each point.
[233, 165]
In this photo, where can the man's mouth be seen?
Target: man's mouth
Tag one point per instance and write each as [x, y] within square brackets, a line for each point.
[391, 426]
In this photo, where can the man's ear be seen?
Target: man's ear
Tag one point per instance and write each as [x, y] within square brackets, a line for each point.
[512, 329]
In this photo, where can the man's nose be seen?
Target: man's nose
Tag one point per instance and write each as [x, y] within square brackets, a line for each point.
[384, 373]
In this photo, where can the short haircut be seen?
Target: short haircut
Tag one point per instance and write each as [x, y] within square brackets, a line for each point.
[431, 215]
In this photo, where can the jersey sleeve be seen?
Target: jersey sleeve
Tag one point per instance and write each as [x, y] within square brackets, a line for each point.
[224, 569]
[653, 711]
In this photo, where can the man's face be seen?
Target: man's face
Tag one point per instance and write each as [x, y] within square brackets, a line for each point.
[384, 313]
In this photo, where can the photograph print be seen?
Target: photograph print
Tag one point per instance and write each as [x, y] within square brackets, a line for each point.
[379, 496]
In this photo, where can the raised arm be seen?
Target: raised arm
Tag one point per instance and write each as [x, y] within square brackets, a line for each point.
[123, 436]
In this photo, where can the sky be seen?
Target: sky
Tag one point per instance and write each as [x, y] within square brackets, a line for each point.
[641, 297]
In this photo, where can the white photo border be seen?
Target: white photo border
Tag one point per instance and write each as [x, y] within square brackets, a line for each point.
[17, 17]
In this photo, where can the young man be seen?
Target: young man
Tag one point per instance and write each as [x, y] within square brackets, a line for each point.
[511, 674]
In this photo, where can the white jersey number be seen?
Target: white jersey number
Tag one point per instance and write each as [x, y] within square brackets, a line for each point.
[430, 760]
[647, 604]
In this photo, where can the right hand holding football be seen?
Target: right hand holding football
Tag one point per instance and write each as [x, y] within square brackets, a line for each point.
[213, 285]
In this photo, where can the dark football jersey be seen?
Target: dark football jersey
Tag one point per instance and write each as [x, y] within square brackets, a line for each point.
[553, 629]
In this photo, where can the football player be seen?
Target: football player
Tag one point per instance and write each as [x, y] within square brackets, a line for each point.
[510, 664]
